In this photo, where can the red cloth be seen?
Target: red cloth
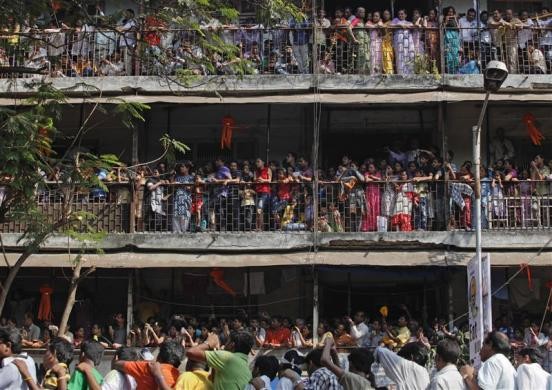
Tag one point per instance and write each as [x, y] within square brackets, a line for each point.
[45, 307]
[466, 213]
[218, 277]
[373, 206]
[152, 37]
[228, 124]
[278, 337]
[284, 191]
[525, 267]
[402, 221]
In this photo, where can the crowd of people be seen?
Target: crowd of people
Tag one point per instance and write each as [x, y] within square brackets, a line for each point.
[404, 191]
[356, 41]
[224, 353]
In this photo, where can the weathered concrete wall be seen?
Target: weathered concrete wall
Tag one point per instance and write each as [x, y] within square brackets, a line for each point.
[284, 242]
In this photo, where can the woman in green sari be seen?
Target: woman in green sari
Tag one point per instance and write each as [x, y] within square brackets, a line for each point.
[452, 42]
[362, 44]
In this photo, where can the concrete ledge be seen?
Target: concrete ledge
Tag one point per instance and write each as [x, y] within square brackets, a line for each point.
[351, 257]
[300, 241]
[274, 84]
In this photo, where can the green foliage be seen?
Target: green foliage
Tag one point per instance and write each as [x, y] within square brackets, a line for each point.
[172, 148]
[130, 112]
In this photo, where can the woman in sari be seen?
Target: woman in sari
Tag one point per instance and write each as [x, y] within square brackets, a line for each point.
[388, 56]
[376, 31]
[362, 46]
[389, 194]
[432, 37]
[403, 43]
[373, 199]
[402, 212]
[452, 42]
[418, 33]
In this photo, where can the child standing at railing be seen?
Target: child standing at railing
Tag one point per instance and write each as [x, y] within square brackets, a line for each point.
[289, 219]
[486, 193]
[421, 189]
[334, 219]
[197, 202]
[247, 196]
[389, 195]
[402, 212]
[282, 196]
[526, 190]
[498, 197]
[182, 198]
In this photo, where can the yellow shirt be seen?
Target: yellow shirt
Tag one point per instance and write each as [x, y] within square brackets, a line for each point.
[51, 380]
[194, 380]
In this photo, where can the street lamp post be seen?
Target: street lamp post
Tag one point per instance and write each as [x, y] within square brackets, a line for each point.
[494, 75]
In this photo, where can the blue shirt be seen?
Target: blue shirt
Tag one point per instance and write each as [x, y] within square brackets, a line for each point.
[223, 173]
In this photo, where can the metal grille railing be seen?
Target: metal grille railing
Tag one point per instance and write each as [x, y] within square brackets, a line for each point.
[99, 210]
[346, 206]
[371, 50]
[524, 50]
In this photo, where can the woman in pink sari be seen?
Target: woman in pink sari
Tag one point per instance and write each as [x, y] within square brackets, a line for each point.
[373, 199]
[376, 38]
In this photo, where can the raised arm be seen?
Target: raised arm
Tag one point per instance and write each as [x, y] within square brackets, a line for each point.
[197, 353]
[155, 370]
[327, 360]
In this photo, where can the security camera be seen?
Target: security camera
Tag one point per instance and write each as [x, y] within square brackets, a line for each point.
[495, 74]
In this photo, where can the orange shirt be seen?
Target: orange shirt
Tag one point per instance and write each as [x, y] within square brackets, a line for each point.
[144, 380]
[278, 337]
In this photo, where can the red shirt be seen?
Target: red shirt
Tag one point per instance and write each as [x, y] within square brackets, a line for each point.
[152, 37]
[278, 337]
[284, 191]
[262, 188]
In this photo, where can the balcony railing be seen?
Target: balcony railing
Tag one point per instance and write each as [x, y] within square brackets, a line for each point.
[384, 206]
[402, 50]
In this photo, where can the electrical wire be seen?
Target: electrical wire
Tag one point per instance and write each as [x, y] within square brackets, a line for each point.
[221, 306]
[545, 309]
[505, 284]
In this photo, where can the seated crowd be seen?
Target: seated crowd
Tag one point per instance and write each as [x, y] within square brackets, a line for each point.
[351, 353]
[405, 190]
[360, 42]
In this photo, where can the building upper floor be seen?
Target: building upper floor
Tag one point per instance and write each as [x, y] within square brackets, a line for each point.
[375, 50]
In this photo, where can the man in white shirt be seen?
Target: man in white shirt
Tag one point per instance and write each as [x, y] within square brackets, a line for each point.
[501, 147]
[127, 39]
[359, 330]
[10, 349]
[405, 368]
[537, 62]
[496, 372]
[530, 374]
[446, 376]
[468, 30]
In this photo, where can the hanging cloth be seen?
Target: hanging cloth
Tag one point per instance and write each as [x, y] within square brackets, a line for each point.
[45, 307]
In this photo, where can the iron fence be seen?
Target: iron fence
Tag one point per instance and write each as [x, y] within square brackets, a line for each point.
[370, 50]
[524, 49]
[344, 206]
[96, 210]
